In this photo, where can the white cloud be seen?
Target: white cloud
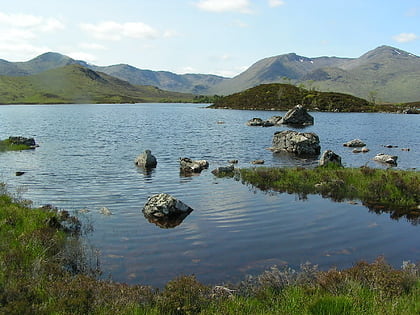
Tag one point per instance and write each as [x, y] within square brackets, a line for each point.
[78, 55]
[20, 34]
[20, 51]
[111, 30]
[405, 37]
[241, 6]
[275, 3]
[170, 34]
[27, 21]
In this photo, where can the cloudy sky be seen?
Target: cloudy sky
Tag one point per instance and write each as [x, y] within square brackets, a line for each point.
[221, 37]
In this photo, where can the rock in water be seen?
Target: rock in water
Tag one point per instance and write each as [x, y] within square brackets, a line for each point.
[299, 143]
[146, 160]
[165, 211]
[356, 143]
[386, 158]
[297, 116]
[189, 166]
[330, 157]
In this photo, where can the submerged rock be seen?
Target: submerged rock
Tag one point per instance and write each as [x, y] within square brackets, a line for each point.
[105, 211]
[146, 160]
[223, 170]
[386, 158]
[165, 211]
[298, 116]
[330, 157]
[299, 143]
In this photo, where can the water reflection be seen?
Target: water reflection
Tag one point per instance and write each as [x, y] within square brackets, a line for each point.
[168, 222]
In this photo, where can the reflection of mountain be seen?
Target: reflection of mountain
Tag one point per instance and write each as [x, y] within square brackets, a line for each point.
[168, 222]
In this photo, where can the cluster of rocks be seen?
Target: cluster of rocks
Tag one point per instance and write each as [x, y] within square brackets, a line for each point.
[297, 116]
[360, 147]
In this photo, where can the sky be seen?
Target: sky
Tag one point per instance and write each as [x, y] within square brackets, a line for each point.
[222, 37]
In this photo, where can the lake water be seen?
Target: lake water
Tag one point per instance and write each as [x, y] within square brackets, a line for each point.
[85, 160]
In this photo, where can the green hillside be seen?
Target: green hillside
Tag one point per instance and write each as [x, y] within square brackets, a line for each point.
[277, 96]
[77, 84]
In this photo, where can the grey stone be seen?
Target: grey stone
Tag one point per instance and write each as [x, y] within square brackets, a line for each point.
[356, 143]
[188, 166]
[165, 210]
[299, 143]
[386, 158]
[330, 157]
[146, 160]
[297, 116]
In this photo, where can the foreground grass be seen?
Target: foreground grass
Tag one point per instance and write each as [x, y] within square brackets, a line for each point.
[45, 269]
[394, 191]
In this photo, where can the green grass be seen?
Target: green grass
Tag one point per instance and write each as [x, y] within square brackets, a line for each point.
[394, 191]
[45, 268]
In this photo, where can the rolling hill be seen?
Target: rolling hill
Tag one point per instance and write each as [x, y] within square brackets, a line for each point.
[74, 83]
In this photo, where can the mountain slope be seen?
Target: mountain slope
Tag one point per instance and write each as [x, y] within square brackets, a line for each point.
[187, 83]
[77, 84]
[386, 73]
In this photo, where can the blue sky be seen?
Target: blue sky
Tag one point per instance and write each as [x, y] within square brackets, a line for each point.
[221, 37]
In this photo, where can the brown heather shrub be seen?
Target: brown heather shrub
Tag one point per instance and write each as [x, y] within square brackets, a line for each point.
[183, 295]
[381, 277]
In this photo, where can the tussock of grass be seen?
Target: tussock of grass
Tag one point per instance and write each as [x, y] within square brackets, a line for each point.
[44, 269]
[394, 191]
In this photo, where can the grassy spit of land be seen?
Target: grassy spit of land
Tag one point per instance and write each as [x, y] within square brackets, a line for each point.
[393, 191]
[46, 269]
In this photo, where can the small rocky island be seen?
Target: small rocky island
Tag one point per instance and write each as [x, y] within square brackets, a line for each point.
[17, 143]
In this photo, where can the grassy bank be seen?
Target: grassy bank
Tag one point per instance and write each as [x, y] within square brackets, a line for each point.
[46, 269]
[393, 191]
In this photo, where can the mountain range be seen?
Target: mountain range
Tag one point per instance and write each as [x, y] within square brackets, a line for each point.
[384, 74]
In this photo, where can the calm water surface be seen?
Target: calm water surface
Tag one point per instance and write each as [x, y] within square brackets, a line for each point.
[85, 161]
